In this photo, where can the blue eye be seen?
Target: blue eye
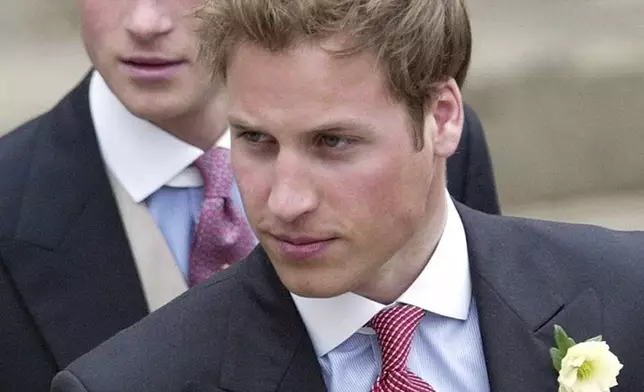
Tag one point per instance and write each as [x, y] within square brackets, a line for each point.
[253, 137]
[334, 141]
[331, 140]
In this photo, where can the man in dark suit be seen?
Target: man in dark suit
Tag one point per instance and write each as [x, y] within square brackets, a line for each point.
[73, 254]
[99, 195]
[369, 276]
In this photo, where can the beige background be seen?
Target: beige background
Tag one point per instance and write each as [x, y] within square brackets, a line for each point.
[558, 84]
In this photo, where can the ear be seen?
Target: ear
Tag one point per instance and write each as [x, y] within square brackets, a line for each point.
[444, 119]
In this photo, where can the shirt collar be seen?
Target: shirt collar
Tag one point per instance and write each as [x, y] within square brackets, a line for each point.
[443, 287]
[142, 156]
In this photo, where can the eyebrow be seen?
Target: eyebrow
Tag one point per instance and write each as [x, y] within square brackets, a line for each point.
[331, 127]
[236, 122]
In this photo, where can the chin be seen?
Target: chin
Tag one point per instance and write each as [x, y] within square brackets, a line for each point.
[315, 293]
[317, 289]
[153, 114]
[150, 104]
[315, 279]
[153, 110]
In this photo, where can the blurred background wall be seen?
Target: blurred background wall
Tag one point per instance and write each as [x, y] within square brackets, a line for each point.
[558, 84]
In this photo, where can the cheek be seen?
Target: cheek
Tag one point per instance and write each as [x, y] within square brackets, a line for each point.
[384, 195]
[99, 19]
[252, 181]
[364, 193]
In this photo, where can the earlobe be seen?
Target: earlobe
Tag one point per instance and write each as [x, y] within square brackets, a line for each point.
[446, 118]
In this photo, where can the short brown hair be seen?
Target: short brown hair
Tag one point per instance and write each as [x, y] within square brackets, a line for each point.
[418, 43]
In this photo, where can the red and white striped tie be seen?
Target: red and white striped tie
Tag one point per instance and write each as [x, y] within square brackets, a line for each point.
[395, 328]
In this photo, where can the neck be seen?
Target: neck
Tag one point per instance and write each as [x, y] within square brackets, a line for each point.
[400, 272]
[201, 127]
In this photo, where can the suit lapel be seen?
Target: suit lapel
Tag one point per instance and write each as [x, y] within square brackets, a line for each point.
[518, 304]
[515, 358]
[268, 347]
[71, 261]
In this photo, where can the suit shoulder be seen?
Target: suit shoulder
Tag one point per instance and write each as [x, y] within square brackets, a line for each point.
[17, 145]
[19, 142]
[196, 321]
[27, 152]
[584, 252]
[583, 238]
[472, 123]
[16, 156]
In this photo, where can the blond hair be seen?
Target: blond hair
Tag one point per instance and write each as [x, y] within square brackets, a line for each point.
[418, 43]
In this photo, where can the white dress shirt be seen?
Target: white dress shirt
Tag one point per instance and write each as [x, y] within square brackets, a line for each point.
[446, 349]
[153, 166]
[142, 156]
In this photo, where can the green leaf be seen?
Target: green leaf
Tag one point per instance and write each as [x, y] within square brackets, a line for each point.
[564, 342]
[557, 357]
[595, 339]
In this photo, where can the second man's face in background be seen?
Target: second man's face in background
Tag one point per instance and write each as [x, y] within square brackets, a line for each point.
[146, 50]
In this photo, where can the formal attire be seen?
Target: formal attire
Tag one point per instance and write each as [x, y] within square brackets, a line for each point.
[245, 332]
[97, 209]
[97, 214]
[446, 349]
[156, 170]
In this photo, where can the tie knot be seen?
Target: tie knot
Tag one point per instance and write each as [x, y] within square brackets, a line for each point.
[395, 328]
[214, 166]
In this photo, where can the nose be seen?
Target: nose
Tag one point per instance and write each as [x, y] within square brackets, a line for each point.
[293, 194]
[149, 19]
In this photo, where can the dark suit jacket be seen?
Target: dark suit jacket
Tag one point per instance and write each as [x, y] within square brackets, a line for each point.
[67, 276]
[470, 178]
[241, 332]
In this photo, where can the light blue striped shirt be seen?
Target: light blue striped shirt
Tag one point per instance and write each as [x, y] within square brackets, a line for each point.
[446, 350]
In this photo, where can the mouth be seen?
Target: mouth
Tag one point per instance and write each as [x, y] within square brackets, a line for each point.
[151, 67]
[302, 247]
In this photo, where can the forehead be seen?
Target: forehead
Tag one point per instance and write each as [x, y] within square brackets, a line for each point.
[305, 83]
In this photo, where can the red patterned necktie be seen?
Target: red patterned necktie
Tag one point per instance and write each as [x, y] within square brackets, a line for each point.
[222, 235]
[395, 327]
